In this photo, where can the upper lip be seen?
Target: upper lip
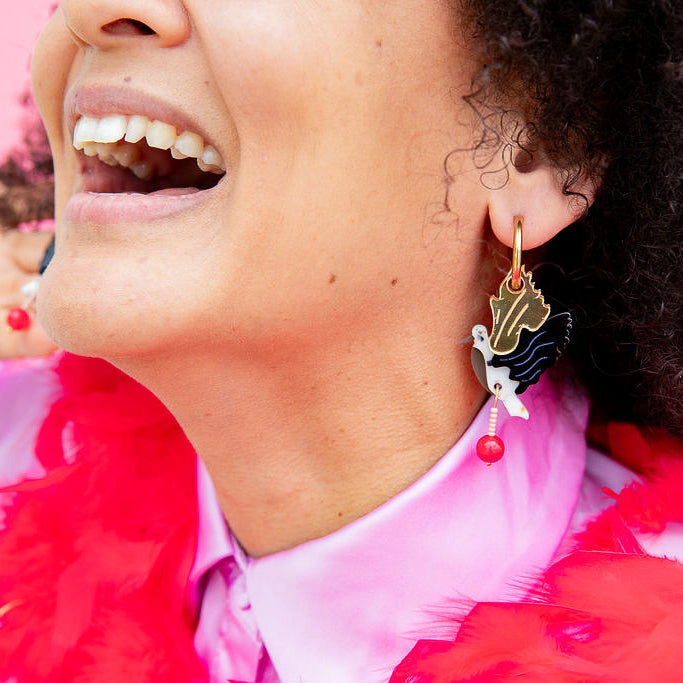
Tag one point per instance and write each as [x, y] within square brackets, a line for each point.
[99, 101]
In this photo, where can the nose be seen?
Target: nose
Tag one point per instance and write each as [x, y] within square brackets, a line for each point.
[110, 23]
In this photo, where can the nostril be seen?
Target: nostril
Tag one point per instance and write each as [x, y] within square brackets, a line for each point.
[128, 27]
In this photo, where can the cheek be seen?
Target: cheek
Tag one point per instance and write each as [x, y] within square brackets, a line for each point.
[277, 63]
[52, 62]
[55, 59]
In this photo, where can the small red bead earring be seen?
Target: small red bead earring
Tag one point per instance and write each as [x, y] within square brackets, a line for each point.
[490, 448]
[18, 319]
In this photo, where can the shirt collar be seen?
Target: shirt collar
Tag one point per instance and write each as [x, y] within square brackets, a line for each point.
[350, 605]
[214, 542]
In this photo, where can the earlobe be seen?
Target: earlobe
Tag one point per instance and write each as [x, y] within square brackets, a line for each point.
[535, 191]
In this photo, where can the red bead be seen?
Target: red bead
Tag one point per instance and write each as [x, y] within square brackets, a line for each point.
[17, 319]
[490, 448]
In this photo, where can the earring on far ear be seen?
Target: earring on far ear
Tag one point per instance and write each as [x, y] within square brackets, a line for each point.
[525, 340]
[18, 318]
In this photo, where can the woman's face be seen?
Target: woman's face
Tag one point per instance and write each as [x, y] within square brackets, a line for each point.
[332, 119]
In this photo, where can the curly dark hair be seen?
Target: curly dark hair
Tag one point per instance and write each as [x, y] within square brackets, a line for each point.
[600, 83]
[26, 174]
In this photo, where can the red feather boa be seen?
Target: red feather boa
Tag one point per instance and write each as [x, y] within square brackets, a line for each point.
[95, 559]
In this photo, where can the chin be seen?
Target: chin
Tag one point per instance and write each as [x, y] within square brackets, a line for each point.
[80, 318]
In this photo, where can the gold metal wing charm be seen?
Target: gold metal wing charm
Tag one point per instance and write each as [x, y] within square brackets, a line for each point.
[514, 310]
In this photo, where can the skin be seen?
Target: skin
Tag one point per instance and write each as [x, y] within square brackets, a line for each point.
[302, 325]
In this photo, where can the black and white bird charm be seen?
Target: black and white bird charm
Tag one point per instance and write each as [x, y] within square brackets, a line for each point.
[536, 351]
[525, 341]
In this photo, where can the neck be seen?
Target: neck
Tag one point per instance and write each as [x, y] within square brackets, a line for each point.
[299, 444]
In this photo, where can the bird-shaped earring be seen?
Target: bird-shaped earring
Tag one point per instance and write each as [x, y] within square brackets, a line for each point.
[525, 340]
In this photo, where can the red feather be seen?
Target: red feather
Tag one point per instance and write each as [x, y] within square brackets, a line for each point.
[96, 555]
[600, 617]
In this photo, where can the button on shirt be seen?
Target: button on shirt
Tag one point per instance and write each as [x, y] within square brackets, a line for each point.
[346, 608]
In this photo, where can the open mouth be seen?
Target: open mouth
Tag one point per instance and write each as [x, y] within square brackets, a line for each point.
[131, 154]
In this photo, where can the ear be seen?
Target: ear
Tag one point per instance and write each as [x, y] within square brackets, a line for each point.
[534, 191]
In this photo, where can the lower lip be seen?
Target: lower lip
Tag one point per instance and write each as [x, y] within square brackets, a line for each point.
[120, 208]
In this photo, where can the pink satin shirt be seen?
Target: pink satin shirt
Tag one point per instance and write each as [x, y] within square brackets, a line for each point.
[346, 608]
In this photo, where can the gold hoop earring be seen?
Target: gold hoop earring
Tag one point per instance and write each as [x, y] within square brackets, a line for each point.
[525, 341]
[516, 270]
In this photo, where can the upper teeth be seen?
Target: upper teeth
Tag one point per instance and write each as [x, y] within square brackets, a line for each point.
[102, 137]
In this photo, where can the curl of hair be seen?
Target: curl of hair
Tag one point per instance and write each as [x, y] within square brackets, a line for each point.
[600, 83]
[26, 174]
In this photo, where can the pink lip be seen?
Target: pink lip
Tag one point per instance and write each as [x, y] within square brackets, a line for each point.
[121, 208]
[99, 101]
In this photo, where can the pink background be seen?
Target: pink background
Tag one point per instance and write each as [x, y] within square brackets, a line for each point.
[20, 24]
